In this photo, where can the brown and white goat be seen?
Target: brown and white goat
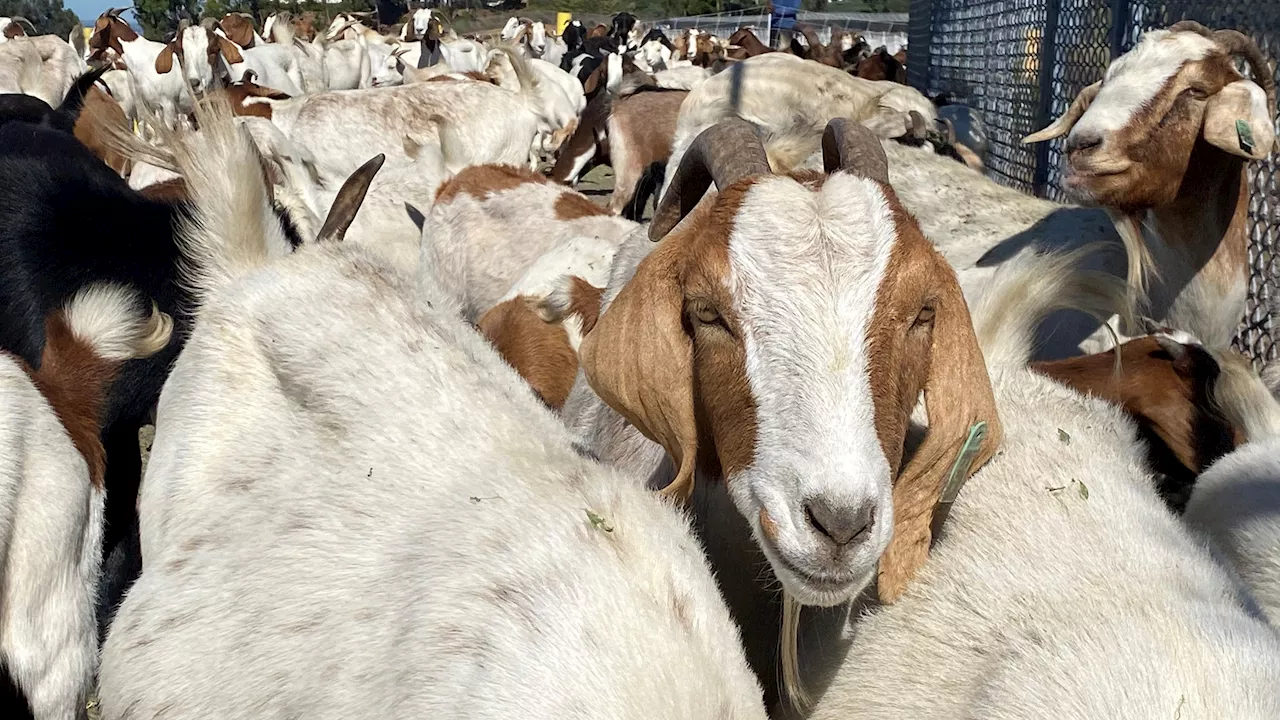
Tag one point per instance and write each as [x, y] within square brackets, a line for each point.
[1166, 386]
[491, 223]
[641, 129]
[52, 467]
[743, 44]
[1162, 143]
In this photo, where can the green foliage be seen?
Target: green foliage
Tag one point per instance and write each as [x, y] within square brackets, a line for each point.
[48, 16]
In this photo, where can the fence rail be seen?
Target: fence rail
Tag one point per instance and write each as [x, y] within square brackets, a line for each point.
[1022, 62]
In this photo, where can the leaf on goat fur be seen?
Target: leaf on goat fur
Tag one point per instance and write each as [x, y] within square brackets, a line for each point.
[598, 522]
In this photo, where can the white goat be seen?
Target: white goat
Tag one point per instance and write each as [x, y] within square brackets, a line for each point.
[786, 95]
[612, 614]
[345, 128]
[51, 494]
[1236, 502]
[490, 223]
[549, 92]
[44, 66]
[1061, 586]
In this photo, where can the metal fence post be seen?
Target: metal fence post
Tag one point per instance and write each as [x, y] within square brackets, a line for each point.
[1119, 26]
[1044, 113]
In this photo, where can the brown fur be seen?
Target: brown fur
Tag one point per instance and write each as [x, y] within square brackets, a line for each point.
[882, 66]
[1168, 398]
[921, 338]
[679, 380]
[598, 31]
[645, 126]
[304, 27]
[172, 191]
[572, 205]
[238, 93]
[480, 181]
[592, 131]
[13, 30]
[584, 301]
[101, 112]
[536, 349]
[239, 29]
[749, 45]
[826, 54]
[108, 32]
[74, 380]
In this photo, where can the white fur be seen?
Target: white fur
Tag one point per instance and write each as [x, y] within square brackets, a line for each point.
[485, 245]
[1039, 601]
[341, 455]
[1134, 79]
[1236, 501]
[809, 320]
[44, 66]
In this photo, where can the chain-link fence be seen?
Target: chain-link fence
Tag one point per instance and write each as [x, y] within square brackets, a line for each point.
[1022, 62]
[887, 29]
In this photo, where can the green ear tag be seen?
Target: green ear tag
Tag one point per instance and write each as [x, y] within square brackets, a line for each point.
[1245, 133]
[959, 473]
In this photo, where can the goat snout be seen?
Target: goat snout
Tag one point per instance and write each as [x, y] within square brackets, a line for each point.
[1083, 144]
[840, 522]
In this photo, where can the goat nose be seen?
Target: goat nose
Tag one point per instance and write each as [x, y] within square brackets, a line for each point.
[839, 522]
[1083, 143]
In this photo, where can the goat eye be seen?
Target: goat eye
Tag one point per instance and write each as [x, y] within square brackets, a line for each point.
[707, 315]
[924, 317]
[1196, 93]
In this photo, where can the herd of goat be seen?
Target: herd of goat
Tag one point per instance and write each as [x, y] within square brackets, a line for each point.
[842, 429]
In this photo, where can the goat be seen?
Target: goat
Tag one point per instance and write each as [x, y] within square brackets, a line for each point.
[539, 324]
[688, 358]
[1060, 585]
[744, 44]
[239, 29]
[621, 29]
[1174, 102]
[11, 27]
[44, 66]
[341, 127]
[161, 94]
[794, 98]
[1166, 386]
[479, 227]
[51, 492]
[646, 600]
[588, 146]
[641, 129]
[880, 65]
[1236, 502]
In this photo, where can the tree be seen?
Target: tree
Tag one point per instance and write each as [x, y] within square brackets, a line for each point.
[159, 18]
[48, 16]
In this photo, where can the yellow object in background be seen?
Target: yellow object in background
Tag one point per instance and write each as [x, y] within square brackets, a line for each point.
[562, 21]
[88, 32]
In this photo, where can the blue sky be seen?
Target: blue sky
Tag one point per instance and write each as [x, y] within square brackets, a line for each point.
[89, 10]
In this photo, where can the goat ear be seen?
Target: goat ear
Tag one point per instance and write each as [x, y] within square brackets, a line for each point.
[639, 360]
[1238, 120]
[229, 50]
[1063, 125]
[958, 396]
[593, 80]
[348, 200]
[164, 61]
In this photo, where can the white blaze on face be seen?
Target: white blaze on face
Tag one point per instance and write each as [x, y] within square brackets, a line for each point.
[421, 22]
[509, 30]
[1136, 77]
[195, 58]
[538, 38]
[805, 269]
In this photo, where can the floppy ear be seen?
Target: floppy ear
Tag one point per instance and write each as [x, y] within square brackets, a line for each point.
[639, 360]
[1237, 119]
[957, 393]
[229, 50]
[593, 80]
[164, 61]
[1063, 125]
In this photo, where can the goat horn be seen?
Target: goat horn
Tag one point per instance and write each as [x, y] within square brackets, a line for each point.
[1063, 125]
[1237, 43]
[20, 19]
[347, 203]
[723, 154]
[849, 145]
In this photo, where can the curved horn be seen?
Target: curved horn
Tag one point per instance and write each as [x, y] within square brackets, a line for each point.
[723, 154]
[24, 21]
[851, 146]
[347, 202]
[1063, 125]
[1237, 43]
